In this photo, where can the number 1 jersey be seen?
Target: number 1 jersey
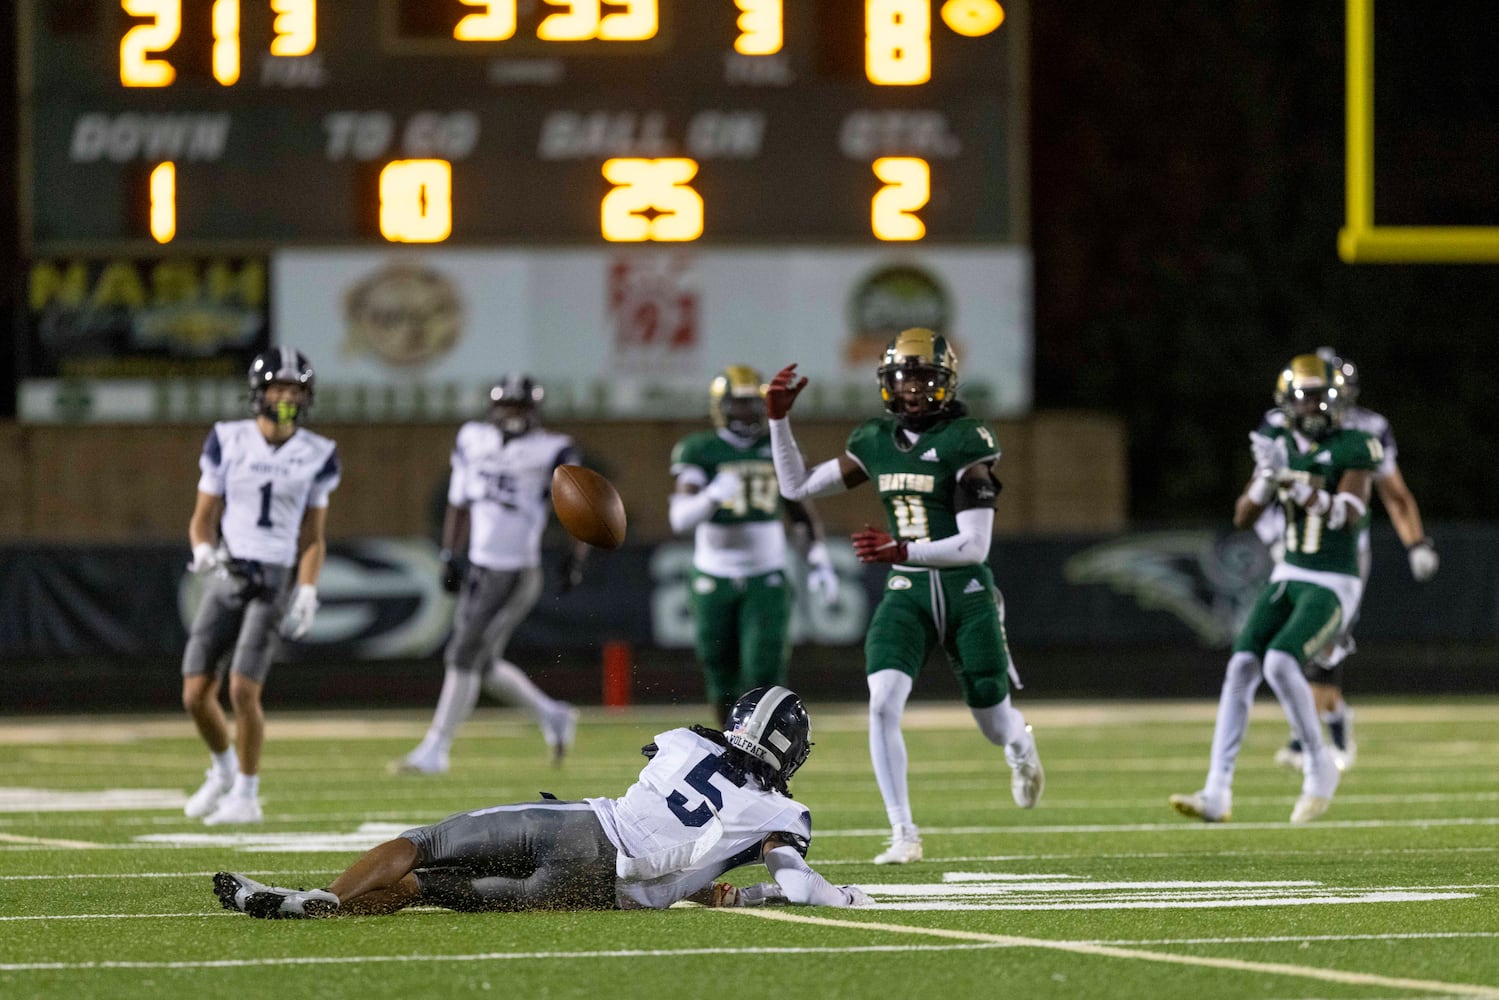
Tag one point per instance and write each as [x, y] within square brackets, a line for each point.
[266, 488]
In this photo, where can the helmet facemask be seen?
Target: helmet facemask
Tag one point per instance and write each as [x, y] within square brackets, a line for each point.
[1310, 392]
[919, 378]
[738, 402]
[288, 368]
[515, 404]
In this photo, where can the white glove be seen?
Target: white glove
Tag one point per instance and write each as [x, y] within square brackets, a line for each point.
[205, 558]
[304, 605]
[725, 486]
[822, 579]
[1270, 456]
[856, 896]
[1424, 561]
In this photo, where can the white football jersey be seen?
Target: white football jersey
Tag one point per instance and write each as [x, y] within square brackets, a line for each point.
[266, 488]
[689, 818]
[506, 486]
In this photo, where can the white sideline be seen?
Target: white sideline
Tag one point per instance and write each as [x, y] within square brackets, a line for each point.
[1112, 951]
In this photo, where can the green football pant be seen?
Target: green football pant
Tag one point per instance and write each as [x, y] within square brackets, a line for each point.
[957, 608]
[1294, 617]
[743, 633]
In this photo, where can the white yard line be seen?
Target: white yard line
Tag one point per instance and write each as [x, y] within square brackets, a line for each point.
[1111, 951]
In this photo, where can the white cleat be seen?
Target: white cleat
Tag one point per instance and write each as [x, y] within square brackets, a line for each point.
[203, 801]
[1197, 806]
[1344, 758]
[422, 760]
[905, 847]
[1309, 807]
[1289, 757]
[1027, 776]
[233, 810]
[559, 729]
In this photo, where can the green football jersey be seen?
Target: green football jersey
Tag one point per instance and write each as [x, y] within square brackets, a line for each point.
[918, 482]
[1310, 544]
[759, 500]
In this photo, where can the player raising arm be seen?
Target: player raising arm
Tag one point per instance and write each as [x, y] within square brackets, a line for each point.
[933, 468]
[257, 536]
[706, 802]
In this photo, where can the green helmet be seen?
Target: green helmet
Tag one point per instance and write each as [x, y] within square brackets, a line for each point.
[919, 378]
[738, 401]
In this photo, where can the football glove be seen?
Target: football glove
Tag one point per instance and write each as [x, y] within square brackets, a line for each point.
[725, 486]
[304, 605]
[1270, 456]
[782, 392]
[452, 572]
[569, 571]
[822, 578]
[1423, 559]
[205, 559]
[856, 896]
[874, 545]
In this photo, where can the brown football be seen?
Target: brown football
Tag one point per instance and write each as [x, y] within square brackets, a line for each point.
[588, 506]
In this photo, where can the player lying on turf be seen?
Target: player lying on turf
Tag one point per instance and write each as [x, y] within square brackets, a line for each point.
[707, 801]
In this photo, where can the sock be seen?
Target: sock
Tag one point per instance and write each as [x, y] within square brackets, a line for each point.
[1337, 728]
[1004, 726]
[1240, 681]
[888, 691]
[225, 764]
[508, 683]
[246, 786]
[460, 693]
[1284, 676]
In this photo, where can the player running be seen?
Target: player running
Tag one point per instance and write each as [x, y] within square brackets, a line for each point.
[1320, 473]
[933, 466]
[257, 532]
[706, 802]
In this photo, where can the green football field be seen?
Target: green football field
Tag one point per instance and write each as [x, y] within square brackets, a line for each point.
[1101, 891]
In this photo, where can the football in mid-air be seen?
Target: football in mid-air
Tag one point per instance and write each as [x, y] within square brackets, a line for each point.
[588, 506]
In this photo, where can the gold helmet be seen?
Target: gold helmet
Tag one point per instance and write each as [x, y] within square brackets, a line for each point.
[738, 401]
[919, 378]
[1311, 391]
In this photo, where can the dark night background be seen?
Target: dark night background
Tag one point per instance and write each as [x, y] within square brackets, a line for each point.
[1187, 190]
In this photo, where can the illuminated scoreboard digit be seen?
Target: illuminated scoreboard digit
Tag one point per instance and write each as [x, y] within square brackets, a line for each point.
[252, 124]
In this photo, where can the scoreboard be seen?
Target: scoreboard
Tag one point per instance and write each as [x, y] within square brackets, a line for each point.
[239, 126]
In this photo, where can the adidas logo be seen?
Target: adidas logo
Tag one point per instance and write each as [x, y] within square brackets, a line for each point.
[974, 587]
[930, 455]
[1322, 456]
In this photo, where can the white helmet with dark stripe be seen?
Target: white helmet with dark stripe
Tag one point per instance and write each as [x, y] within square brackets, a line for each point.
[281, 365]
[771, 725]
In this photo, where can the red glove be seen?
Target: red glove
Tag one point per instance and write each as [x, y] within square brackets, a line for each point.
[782, 392]
[872, 545]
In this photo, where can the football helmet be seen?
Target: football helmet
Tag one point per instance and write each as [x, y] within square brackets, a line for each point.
[1309, 392]
[771, 725]
[281, 366]
[1349, 370]
[515, 403]
[918, 378]
[738, 401]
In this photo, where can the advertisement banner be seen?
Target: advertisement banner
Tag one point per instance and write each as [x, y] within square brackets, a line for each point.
[172, 317]
[630, 332]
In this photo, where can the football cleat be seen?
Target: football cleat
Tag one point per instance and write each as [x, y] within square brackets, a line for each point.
[266, 902]
[203, 801]
[904, 848]
[422, 760]
[1289, 756]
[1309, 807]
[1197, 806]
[235, 809]
[1027, 777]
[558, 728]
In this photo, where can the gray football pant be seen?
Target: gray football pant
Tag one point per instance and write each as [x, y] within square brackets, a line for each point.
[491, 606]
[225, 621]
